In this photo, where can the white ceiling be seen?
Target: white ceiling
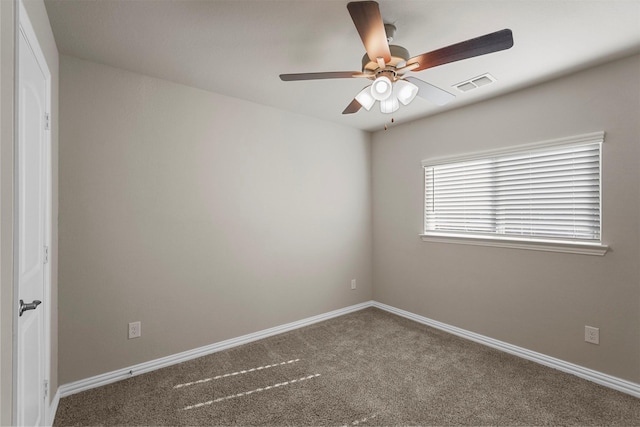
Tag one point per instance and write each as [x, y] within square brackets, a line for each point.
[239, 47]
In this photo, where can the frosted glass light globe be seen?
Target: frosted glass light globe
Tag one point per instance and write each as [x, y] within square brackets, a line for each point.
[381, 88]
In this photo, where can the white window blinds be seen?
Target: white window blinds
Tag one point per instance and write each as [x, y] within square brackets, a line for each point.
[550, 192]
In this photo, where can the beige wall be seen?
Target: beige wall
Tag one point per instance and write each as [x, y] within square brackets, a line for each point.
[202, 216]
[7, 29]
[207, 217]
[537, 300]
[40, 22]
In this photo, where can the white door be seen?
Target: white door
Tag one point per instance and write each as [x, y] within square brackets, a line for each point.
[32, 233]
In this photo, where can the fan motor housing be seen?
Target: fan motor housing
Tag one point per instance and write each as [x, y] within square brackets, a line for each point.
[399, 55]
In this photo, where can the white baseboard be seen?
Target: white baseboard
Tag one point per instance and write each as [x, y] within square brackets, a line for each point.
[110, 377]
[606, 380]
[120, 374]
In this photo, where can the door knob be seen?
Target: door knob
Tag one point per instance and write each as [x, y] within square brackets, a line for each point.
[30, 306]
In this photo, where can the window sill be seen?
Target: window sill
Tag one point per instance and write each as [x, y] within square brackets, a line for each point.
[509, 242]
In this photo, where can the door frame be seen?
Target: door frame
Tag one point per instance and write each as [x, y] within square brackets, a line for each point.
[25, 28]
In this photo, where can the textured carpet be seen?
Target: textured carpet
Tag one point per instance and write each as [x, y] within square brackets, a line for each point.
[364, 368]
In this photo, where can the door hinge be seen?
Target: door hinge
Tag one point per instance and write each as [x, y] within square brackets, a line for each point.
[47, 121]
[46, 388]
[46, 254]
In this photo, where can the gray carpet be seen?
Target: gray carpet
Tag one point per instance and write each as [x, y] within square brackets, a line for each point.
[364, 368]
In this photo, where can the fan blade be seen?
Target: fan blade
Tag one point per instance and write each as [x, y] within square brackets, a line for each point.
[368, 21]
[354, 107]
[318, 76]
[430, 92]
[493, 42]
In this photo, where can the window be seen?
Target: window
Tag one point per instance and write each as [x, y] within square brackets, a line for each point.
[539, 196]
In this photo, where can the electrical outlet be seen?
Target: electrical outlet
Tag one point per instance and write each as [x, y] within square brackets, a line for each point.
[592, 334]
[135, 330]
[353, 283]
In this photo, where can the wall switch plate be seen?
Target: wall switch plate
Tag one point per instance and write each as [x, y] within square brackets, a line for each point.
[135, 330]
[592, 334]
[353, 283]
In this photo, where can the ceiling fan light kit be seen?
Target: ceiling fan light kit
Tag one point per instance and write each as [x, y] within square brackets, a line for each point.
[365, 98]
[386, 64]
[381, 88]
[389, 105]
[405, 91]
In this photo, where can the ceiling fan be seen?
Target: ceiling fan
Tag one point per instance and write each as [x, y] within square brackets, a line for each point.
[386, 65]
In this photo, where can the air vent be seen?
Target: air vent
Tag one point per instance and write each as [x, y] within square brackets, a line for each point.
[475, 82]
